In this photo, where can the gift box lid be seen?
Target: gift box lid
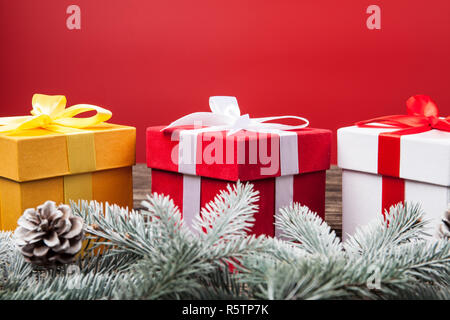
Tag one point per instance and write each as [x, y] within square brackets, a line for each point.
[243, 155]
[423, 156]
[39, 153]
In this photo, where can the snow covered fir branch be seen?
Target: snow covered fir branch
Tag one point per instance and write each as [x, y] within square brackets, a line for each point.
[152, 254]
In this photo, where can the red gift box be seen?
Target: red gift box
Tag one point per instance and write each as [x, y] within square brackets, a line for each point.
[192, 164]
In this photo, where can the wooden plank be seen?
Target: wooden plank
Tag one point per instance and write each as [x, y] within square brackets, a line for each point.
[141, 183]
[333, 199]
[333, 202]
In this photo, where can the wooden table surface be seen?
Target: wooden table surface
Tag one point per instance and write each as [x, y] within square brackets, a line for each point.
[333, 203]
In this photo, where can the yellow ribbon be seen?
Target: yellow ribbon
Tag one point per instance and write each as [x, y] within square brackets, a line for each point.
[50, 113]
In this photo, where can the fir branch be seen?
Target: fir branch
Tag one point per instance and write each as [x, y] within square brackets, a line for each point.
[123, 231]
[230, 215]
[60, 287]
[153, 255]
[401, 224]
[426, 261]
[313, 277]
[185, 259]
[13, 268]
[308, 229]
[222, 283]
[421, 291]
[105, 261]
[391, 254]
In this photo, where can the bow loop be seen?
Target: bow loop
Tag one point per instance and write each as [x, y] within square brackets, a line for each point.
[226, 115]
[421, 105]
[52, 106]
[225, 106]
[67, 118]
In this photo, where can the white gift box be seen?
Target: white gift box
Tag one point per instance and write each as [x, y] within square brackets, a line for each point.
[423, 174]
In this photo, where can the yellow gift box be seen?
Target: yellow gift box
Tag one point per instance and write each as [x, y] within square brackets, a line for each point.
[52, 155]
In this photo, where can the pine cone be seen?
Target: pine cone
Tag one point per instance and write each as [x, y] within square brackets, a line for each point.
[444, 227]
[49, 235]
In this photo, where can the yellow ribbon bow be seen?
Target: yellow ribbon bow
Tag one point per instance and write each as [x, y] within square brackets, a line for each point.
[50, 113]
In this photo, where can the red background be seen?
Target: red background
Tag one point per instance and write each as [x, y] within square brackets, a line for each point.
[151, 62]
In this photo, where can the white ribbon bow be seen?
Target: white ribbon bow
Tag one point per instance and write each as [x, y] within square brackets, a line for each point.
[226, 115]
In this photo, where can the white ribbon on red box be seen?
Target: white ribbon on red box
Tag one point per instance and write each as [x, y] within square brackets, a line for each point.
[226, 116]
